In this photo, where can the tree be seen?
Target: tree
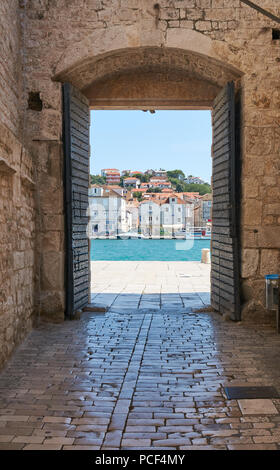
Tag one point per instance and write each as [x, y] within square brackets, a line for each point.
[182, 187]
[198, 188]
[174, 181]
[177, 174]
[97, 179]
[138, 195]
[142, 178]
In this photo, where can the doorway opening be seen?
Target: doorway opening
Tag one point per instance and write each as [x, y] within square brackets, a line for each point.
[150, 205]
[162, 80]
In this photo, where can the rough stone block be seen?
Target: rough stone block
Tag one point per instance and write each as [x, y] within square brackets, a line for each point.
[250, 263]
[270, 260]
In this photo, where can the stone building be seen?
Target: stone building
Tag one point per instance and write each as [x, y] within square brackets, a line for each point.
[126, 54]
[131, 182]
[175, 213]
[203, 210]
[112, 175]
[150, 218]
[108, 213]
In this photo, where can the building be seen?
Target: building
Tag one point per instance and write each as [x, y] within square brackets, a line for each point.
[207, 208]
[187, 195]
[112, 175]
[138, 190]
[131, 182]
[194, 180]
[161, 184]
[203, 211]
[167, 190]
[150, 218]
[150, 172]
[96, 190]
[133, 208]
[175, 215]
[160, 173]
[108, 213]
[157, 179]
[131, 173]
[118, 189]
[145, 186]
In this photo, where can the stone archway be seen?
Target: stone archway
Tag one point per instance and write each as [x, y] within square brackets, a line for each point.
[145, 78]
[149, 77]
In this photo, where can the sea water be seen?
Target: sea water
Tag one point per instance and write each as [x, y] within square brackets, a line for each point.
[147, 250]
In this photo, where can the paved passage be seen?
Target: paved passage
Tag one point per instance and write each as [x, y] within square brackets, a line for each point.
[150, 284]
[141, 378]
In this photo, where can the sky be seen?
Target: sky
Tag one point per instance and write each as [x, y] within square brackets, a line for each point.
[137, 140]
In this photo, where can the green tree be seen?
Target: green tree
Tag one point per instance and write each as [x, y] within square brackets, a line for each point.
[182, 187]
[142, 178]
[97, 179]
[198, 188]
[177, 174]
[174, 182]
[138, 195]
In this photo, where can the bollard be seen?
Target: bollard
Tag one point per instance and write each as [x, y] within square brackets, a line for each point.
[205, 256]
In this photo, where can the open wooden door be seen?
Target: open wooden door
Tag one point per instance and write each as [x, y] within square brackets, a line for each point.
[225, 274]
[76, 182]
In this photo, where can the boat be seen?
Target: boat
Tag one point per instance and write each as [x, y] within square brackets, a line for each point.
[198, 233]
[128, 236]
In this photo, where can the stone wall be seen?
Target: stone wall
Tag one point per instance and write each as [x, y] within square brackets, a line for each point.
[16, 193]
[65, 37]
[83, 41]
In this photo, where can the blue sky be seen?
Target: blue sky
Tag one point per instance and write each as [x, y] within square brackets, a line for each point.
[134, 140]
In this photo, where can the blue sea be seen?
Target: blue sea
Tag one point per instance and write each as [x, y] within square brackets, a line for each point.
[147, 250]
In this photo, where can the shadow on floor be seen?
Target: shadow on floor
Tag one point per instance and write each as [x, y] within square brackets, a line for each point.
[151, 300]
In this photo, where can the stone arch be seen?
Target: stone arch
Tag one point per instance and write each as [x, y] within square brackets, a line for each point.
[120, 68]
[150, 77]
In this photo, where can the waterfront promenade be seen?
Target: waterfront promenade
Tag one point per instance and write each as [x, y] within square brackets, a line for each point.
[150, 284]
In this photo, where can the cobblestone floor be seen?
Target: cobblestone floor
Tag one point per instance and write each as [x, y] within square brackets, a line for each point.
[141, 378]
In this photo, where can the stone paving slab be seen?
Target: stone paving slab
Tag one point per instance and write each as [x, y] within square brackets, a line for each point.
[257, 407]
[140, 379]
[150, 284]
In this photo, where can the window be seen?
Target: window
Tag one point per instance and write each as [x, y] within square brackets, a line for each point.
[276, 34]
